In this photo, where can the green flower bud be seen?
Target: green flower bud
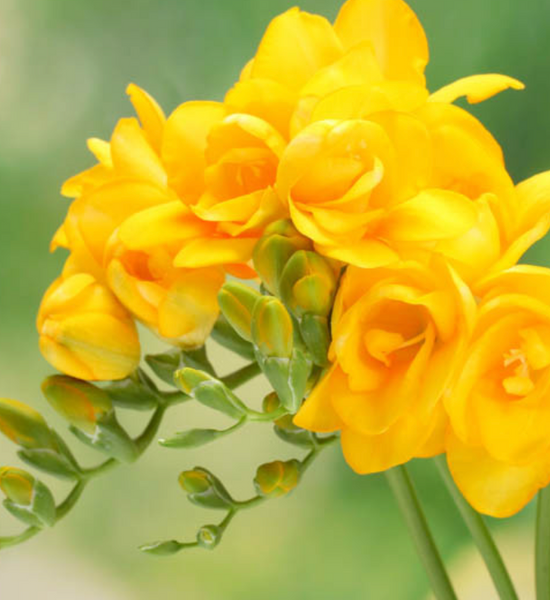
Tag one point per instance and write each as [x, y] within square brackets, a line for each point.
[27, 499]
[277, 478]
[272, 330]
[209, 391]
[80, 402]
[308, 284]
[237, 302]
[271, 403]
[224, 334]
[209, 536]
[24, 426]
[205, 489]
[17, 485]
[286, 430]
[279, 242]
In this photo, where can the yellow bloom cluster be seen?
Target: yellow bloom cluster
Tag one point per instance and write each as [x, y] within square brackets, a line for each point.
[439, 343]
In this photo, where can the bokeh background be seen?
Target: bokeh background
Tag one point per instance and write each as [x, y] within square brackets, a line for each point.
[64, 65]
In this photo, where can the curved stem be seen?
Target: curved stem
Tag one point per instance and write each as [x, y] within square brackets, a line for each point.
[6, 542]
[542, 545]
[242, 376]
[405, 495]
[66, 506]
[481, 536]
[144, 440]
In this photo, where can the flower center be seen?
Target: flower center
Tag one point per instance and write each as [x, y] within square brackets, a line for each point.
[382, 345]
[532, 355]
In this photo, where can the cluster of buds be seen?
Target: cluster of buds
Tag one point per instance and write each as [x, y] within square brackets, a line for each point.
[287, 324]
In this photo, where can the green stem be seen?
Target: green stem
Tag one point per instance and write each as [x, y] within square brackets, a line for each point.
[6, 542]
[542, 545]
[66, 506]
[144, 440]
[405, 495]
[480, 534]
[242, 376]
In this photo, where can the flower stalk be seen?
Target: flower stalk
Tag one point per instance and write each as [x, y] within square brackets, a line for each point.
[405, 495]
[480, 534]
[542, 545]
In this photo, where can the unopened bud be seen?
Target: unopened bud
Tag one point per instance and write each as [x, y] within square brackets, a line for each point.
[24, 425]
[27, 499]
[205, 489]
[209, 391]
[277, 478]
[308, 284]
[271, 403]
[80, 402]
[279, 242]
[272, 330]
[209, 536]
[237, 302]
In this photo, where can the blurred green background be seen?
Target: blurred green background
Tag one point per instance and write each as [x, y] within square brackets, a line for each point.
[64, 65]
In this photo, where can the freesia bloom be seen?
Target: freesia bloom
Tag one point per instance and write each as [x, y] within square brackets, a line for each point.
[398, 336]
[178, 304]
[374, 56]
[85, 331]
[499, 409]
[372, 190]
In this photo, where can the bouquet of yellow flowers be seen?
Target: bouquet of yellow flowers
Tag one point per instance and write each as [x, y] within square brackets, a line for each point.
[354, 238]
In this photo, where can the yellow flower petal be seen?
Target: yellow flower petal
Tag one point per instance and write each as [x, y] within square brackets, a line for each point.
[476, 88]
[294, 47]
[393, 29]
[184, 145]
[150, 114]
[431, 215]
[132, 154]
[215, 251]
[164, 224]
[494, 488]
[317, 413]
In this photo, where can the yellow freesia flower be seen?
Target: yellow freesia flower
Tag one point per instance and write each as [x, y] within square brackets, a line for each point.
[178, 304]
[499, 408]
[398, 336]
[85, 332]
[374, 55]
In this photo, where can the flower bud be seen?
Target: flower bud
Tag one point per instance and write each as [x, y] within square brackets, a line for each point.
[224, 334]
[279, 242]
[27, 499]
[209, 391]
[272, 330]
[81, 403]
[271, 403]
[17, 485]
[308, 284]
[209, 536]
[205, 489]
[85, 331]
[237, 302]
[24, 426]
[277, 478]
